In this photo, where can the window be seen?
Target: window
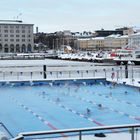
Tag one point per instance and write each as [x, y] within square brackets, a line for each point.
[6, 31]
[6, 40]
[11, 35]
[23, 31]
[12, 40]
[17, 26]
[17, 31]
[6, 35]
[23, 35]
[23, 40]
[17, 40]
[23, 27]
[29, 35]
[11, 26]
[17, 35]
[11, 31]
[6, 26]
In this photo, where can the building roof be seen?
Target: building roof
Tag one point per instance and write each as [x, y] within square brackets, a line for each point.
[114, 36]
[136, 34]
[11, 22]
[98, 38]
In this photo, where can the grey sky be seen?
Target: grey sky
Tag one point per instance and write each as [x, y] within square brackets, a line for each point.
[74, 15]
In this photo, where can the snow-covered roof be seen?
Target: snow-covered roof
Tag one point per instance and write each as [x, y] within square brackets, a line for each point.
[136, 34]
[113, 36]
[13, 22]
[98, 38]
[84, 39]
[124, 36]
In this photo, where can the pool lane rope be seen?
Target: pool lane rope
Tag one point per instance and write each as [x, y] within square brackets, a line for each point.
[36, 115]
[73, 111]
[115, 99]
[109, 108]
[77, 113]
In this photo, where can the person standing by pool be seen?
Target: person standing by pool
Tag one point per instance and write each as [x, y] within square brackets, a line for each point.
[113, 75]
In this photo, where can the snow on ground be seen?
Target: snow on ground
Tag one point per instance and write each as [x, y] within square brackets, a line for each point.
[20, 70]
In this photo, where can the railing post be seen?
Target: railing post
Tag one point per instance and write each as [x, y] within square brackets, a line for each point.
[44, 71]
[81, 73]
[69, 74]
[80, 135]
[132, 136]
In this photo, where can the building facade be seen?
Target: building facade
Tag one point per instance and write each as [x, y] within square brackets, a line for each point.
[115, 41]
[134, 40]
[16, 37]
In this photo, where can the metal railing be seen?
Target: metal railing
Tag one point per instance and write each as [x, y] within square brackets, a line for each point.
[6, 129]
[132, 129]
[39, 75]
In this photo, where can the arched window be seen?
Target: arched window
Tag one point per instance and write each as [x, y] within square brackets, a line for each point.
[23, 48]
[6, 49]
[12, 48]
[17, 48]
[29, 48]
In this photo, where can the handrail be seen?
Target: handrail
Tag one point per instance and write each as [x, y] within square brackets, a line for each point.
[35, 133]
[6, 129]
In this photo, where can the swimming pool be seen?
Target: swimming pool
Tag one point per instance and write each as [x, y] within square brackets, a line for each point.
[53, 105]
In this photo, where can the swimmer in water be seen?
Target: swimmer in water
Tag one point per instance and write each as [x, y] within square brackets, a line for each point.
[100, 105]
[125, 92]
[88, 111]
[57, 99]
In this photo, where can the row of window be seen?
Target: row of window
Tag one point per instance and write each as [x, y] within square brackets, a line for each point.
[17, 40]
[15, 26]
[16, 48]
[16, 31]
[12, 35]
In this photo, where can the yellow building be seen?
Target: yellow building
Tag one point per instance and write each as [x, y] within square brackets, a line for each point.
[115, 41]
[91, 44]
[98, 42]
[84, 43]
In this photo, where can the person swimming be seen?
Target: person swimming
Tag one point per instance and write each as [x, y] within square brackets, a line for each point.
[126, 92]
[100, 105]
[88, 111]
[57, 99]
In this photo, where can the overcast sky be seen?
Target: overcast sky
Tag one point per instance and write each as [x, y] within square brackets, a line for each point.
[74, 15]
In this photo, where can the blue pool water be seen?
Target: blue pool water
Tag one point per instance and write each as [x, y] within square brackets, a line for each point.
[63, 105]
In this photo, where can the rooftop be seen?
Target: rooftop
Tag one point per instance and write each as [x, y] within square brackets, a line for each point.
[19, 22]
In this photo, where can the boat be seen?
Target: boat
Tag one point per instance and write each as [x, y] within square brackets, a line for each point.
[123, 56]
